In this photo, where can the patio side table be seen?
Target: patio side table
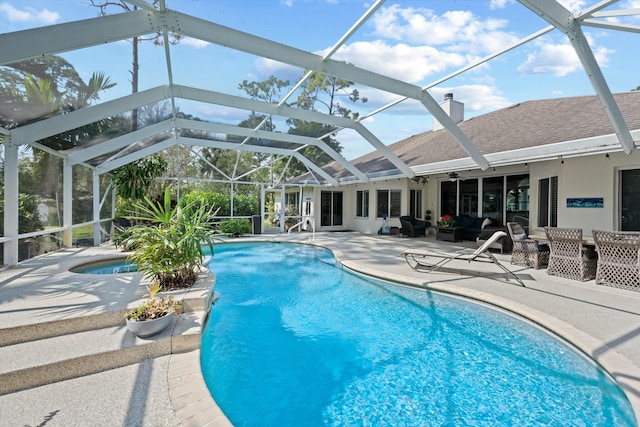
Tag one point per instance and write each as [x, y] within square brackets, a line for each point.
[449, 234]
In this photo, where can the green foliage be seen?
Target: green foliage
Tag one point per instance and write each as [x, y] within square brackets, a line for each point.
[235, 227]
[168, 241]
[267, 91]
[28, 215]
[122, 238]
[133, 179]
[221, 203]
[320, 92]
[154, 307]
[327, 90]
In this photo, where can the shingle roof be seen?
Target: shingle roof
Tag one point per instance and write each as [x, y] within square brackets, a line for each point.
[524, 125]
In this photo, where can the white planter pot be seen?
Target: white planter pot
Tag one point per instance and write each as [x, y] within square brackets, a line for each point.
[149, 327]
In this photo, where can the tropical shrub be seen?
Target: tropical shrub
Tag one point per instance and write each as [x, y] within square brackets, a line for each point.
[168, 241]
[242, 205]
[235, 227]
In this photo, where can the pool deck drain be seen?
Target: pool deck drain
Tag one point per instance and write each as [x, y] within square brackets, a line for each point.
[168, 390]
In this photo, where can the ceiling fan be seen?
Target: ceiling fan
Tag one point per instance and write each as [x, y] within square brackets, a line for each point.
[453, 176]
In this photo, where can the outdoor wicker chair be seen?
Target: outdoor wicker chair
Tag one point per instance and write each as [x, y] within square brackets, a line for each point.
[527, 252]
[618, 259]
[569, 256]
[412, 227]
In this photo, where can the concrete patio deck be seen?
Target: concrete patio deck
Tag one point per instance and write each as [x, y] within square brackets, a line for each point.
[168, 390]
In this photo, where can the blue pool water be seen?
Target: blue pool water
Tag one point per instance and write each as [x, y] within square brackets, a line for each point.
[296, 341]
[107, 267]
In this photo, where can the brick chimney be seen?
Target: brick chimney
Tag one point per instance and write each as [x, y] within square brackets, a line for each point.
[454, 109]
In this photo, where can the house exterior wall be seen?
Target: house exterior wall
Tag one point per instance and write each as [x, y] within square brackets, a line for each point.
[372, 223]
[584, 176]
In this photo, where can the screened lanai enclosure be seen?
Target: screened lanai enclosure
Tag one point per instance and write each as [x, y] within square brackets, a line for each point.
[99, 97]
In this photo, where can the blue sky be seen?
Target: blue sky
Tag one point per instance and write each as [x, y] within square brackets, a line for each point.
[418, 41]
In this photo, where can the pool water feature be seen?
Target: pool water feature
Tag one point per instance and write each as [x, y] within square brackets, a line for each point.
[295, 340]
[112, 266]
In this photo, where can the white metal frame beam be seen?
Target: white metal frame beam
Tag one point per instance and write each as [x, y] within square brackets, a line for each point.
[145, 22]
[251, 148]
[561, 18]
[231, 38]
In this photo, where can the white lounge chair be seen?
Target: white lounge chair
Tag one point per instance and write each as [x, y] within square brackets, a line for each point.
[418, 258]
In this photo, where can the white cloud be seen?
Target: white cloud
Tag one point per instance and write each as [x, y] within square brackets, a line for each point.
[499, 4]
[219, 114]
[267, 67]
[401, 61]
[573, 5]
[28, 14]
[459, 31]
[198, 44]
[560, 60]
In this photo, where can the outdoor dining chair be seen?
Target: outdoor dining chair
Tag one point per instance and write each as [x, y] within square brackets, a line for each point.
[527, 252]
[569, 256]
[618, 259]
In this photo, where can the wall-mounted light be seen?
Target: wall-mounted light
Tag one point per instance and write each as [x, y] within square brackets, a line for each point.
[606, 155]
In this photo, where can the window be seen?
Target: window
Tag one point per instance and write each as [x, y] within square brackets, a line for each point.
[362, 203]
[492, 189]
[330, 208]
[459, 197]
[518, 199]
[415, 203]
[500, 198]
[468, 203]
[389, 203]
[548, 202]
[448, 197]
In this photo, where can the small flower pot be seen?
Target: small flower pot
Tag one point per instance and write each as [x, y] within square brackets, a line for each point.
[147, 328]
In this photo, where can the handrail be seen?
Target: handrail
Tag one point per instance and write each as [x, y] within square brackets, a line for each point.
[306, 219]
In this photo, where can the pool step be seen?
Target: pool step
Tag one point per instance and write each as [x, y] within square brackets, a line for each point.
[41, 361]
[47, 352]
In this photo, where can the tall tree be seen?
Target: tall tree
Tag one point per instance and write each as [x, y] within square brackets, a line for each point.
[157, 40]
[235, 163]
[43, 87]
[324, 93]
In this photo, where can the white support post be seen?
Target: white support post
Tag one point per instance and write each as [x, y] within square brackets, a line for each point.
[67, 200]
[10, 202]
[283, 209]
[96, 209]
[262, 211]
[231, 194]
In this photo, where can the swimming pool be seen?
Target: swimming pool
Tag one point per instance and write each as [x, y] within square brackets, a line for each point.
[295, 340]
